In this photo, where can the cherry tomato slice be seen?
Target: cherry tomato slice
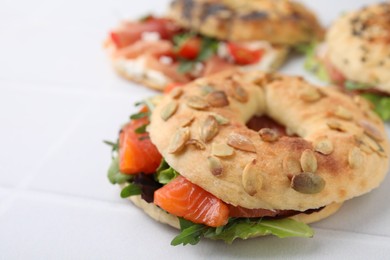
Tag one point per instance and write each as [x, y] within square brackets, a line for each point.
[244, 56]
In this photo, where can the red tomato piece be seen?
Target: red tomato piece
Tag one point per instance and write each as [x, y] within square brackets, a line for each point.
[243, 55]
[190, 48]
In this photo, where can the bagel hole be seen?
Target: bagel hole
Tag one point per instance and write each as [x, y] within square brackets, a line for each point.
[258, 122]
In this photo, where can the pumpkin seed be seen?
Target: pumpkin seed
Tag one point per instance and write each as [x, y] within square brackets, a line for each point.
[169, 110]
[215, 166]
[307, 183]
[176, 93]
[221, 150]
[310, 94]
[221, 119]
[371, 130]
[217, 99]
[196, 143]
[324, 146]
[197, 103]
[178, 141]
[268, 135]
[209, 129]
[237, 92]
[241, 142]
[252, 181]
[335, 125]
[342, 113]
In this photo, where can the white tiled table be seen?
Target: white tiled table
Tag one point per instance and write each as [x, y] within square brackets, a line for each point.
[59, 99]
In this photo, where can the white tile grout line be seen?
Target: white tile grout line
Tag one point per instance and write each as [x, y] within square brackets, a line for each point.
[68, 198]
[53, 148]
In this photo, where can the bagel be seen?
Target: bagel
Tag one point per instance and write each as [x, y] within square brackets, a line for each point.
[358, 46]
[356, 55]
[159, 51]
[340, 142]
[279, 22]
[244, 148]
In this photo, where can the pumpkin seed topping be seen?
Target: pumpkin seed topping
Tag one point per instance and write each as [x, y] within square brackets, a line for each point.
[241, 142]
[308, 161]
[169, 110]
[307, 183]
[209, 129]
[178, 141]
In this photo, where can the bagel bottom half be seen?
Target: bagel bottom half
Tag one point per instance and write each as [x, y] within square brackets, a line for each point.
[162, 216]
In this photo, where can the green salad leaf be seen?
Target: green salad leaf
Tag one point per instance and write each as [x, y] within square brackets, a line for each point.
[351, 85]
[242, 228]
[130, 190]
[139, 115]
[165, 173]
[190, 233]
[114, 174]
[381, 105]
[208, 48]
[312, 63]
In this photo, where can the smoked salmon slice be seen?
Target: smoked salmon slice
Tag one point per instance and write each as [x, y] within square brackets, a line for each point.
[136, 152]
[184, 199]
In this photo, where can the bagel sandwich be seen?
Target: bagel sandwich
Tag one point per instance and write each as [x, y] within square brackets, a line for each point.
[240, 155]
[356, 55]
[198, 38]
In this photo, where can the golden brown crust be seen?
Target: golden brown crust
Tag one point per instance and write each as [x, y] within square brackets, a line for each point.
[358, 44]
[341, 142]
[278, 22]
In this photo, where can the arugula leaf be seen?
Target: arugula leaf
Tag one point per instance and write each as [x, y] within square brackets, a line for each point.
[114, 146]
[381, 105]
[208, 48]
[141, 129]
[165, 173]
[245, 229]
[190, 233]
[351, 85]
[139, 115]
[130, 190]
[114, 174]
[241, 228]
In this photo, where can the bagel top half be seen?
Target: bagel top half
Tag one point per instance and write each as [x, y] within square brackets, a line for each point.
[278, 22]
[358, 45]
[340, 149]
